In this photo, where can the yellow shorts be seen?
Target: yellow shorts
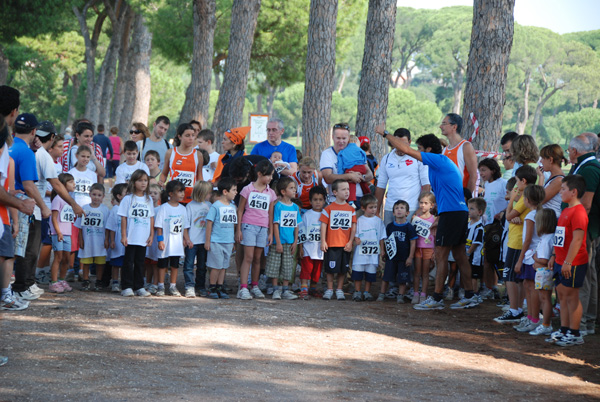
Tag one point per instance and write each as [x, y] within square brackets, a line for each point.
[93, 260]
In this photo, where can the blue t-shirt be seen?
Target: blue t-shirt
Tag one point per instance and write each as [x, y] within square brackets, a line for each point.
[25, 166]
[288, 152]
[350, 156]
[104, 143]
[288, 217]
[446, 182]
[403, 234]
[224, 219]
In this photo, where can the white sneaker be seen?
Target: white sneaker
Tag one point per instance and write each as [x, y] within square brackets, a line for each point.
[35, 289]
[257, 293]
[328, 294]
[142, 292]
[541, 330]
[339, 294]
[277, 294]
[127, 292]
[115, 288]
[190, 292]
[288, 295]
[10, 303]
[27, 295]
[244, 294]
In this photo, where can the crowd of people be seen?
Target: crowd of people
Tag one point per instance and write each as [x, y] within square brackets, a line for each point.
[301, 228]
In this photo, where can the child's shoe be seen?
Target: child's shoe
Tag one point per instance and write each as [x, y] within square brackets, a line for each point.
[160, 291]
[213, 294]
[142, 292]
[152, 289]
[115, 288]
[368, 296]
[416, 298]
[339, 294]
[222, 293]
[288, 295]
[400, 299]
[381, 297]
[55, 287]
[357, 296]
[65, 286]
[277, 294]
[328, 294]
[256, 292]
[98, 286]
[449, 294]
[173, 291]
[85, 285]
[127, 292]
[304, 294]
[190, 293]
[244, 294]
[201, 292]
[392, 293]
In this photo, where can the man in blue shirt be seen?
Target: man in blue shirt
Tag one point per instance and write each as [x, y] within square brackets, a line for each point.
[451, 234]
[275, 129]
[101, 139]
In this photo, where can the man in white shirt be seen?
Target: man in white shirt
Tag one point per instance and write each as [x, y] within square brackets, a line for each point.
[404, 177]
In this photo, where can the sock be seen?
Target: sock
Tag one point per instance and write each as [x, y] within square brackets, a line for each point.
[423, 294]
[535, 320]
[243, 286]
[564, 330]
[172, 286]
[161, 285]
[40, 270]
[284, 288]
[5, 291]
[575, 332]
[254, 284]
[529, 317]
[468, 294]
[437, 296]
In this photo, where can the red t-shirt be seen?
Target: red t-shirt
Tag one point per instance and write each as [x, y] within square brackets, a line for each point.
[339, 219]
[571, 219]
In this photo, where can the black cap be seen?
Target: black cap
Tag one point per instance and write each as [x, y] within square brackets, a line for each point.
[45, 128]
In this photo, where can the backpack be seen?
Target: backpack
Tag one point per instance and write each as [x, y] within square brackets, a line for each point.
[144, 144]
[492, 241]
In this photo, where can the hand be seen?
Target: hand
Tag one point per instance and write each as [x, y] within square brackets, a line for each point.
[207, 246]
[551, 263]
[516, 221]
[269, 239]
[124, 241]
[518, 267]
[293, 248]
[565, 271]
[77, 210]
[105, 243]
[409, 262]
[15, 231]
[348, 246]
[357, 241]
[46, 212]
[355, 177]
[161, 245]
[188, 243]
[112, 245]
[149, 241]
[238, 236]
[27, 206]
[380, 128]
[279, 248]
[60, 237]
[323, 246]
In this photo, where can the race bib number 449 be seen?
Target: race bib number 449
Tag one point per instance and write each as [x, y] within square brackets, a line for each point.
[340, 220]
[228, 215]
[259, 201]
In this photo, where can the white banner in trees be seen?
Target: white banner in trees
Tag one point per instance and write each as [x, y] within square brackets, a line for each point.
[258, 127]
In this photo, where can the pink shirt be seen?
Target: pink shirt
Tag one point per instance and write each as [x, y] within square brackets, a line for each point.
[66, 217]
[116, 146]
[429, 241]
[256, 211]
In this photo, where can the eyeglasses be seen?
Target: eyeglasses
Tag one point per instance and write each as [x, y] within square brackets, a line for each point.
[445, 123]
[344, 126]
[135, 131]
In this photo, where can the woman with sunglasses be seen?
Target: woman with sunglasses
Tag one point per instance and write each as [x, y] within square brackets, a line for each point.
[138, 133]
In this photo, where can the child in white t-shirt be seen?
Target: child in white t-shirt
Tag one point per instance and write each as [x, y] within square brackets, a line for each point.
[206, 139]
[125, 170]
[116, 251]
[170, 222]
[151, 260]
[311, 262]
[370, 233]
[93, 240]
[84, 178]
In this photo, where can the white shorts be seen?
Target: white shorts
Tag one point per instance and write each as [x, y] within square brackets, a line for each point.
[368, 268]
[219, 255]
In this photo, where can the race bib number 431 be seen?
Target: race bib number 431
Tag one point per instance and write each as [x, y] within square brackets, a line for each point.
[258, 201]
[340, 220]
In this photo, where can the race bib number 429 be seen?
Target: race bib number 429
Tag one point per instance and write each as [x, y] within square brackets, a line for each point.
[340, 220]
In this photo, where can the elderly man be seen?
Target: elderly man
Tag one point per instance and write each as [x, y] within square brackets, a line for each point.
[275, 129]
[404, 177]
[460, 151]
[156, 141]
[329, 163]
[582, 154]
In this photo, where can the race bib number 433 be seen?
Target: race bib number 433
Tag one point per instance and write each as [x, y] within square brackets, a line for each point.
[340, 220]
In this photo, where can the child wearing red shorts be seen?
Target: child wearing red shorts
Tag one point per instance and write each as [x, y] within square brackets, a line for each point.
[311, 262]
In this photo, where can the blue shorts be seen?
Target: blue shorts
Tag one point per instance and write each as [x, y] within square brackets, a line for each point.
[7, 243]
[117, 261]
[360, 275]
[64, 245]
[46, 239]
[396, 271]
[527, 272]
[254, 236]
[577, 276]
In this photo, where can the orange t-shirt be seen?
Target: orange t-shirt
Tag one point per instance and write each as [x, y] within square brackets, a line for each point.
[183, 168]
[457, 156]
[304, 189]
[339, 219]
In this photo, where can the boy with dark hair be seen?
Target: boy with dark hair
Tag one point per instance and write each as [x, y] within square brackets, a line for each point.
[152, 161]
[475, 233]
[338, 226]
[309, 235]
[206, 140]
[125, 170]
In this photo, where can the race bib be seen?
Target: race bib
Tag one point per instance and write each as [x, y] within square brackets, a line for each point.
[259, 201]
[83, 186]
[369, 247]
[302, 234]
[94, 219]
[176, 225]
[228, 215]
[139, 210]
[422, 227]
[288, 219]
[185, 177]
[314, 235]
[340, 220]
[559, 236]
[390, 247]
[66, 214]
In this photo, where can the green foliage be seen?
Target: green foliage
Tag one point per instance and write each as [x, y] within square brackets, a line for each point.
[34, 17]
[404, 110]
[564, 126]
[169, 83]
[288, 105]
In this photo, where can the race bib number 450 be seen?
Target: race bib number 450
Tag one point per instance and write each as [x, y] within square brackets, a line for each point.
[258, 201]
[340, 220]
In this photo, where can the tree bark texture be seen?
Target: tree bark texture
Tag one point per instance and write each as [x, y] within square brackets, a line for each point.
[120, 94]
[543, 98]
[524, 112]
[230, 105]
[491, 43]
[76, 80]
[376, 69]
[142, 45]
[457, 86]
[320, 76]
[197, 95]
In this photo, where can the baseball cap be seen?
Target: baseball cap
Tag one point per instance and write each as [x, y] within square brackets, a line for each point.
[26, 122]
[45, 128]
[364, 140]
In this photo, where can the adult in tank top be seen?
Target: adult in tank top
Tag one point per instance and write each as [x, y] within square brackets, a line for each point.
[460, 151]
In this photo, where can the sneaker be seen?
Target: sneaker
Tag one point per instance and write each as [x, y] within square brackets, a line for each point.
[97, 286]
[43, 278]
[503, 303]
[487, 293]
[368, 296]
[65, 286]
[430, 304]
[304, 295]
[555, 336]
[328, 294]
[449, 295]
[461, 294]
[152, 288]
[541, 330]
[115, 288]
[142, 293]
[35, 289]
[55, 287]
[201, 292]
[524, 321]
[85, 286]
[416, 298]
[270, 289]
[277, 294]
[392, 293]
[400, 299]
[213, 295]
[70, 276]
[531, 326]
[496, 293]
[27, 295]
[508, 317]
[222, 294]
[357, 296]
[256, 293]
[339, 294]
[190, 293]
[244, 294]
[288, 295]
[381, 297]
[174, 292]
[465, 303]
[160, 291]
[10, 303]
[570, 340]
[127, 292]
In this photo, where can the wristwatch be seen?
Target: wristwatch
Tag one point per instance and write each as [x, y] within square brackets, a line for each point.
[385, 133]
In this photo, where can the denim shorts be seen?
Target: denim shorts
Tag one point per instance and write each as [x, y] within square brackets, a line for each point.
[7, 244]
[64, 245]
[254, 236]
[219, 255]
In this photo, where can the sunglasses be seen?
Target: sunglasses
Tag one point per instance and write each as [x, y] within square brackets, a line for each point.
[342, 126]
[135, 131]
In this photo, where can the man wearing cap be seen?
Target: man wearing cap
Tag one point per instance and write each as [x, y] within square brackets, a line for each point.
[403, 176]
[275, 129]
[156, 141]
[234, 147]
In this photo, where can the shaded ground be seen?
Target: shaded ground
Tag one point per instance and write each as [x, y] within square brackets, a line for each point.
[99, 346]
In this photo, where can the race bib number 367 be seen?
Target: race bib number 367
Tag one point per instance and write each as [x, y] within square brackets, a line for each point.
[340, 220]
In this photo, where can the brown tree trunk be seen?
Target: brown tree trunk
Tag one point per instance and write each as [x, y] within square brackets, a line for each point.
[342, 81]
[491, 43]
[217, 80]
[320, 77]
[3, 67]
[120, 94]
[595, 103]
[142, 41]
[457, 83]
[524, 113]
[271, 99]
[538, 109]
[376, 68]
[197, 95]
[76, 80]
[230, 104]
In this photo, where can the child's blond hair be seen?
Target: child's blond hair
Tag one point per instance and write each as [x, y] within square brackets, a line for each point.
[201, 190]
[308, 162]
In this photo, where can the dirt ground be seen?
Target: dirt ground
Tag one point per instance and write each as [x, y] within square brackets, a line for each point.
[101, 346]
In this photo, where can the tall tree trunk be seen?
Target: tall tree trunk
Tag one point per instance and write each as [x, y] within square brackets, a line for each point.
[259, 101]
[595, 103]
[342, 81]
[217, 80]
[76, 80]
[320, 76]
[3, 67]
[198, 93]
[122, 76]
[457, 83]
[143, 50]
[491, 43]
[376, 68]
[271, 99]
[230, 104]
[524, 112]
[543, 98]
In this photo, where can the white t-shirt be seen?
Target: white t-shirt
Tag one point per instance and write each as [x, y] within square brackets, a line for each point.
[403, 176]
[172, 220]
[47, 200]
[83, 183]
[329, 160]
[207, 171]
[91, 166]
[311, 229]
[494, 197]
[545, 246]
[534, 239]
[475, 237]
[370, 231]
[124, 171]
[45, 171]
[138, 211]
[93, 225]
[196, 220]
[114, 224]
